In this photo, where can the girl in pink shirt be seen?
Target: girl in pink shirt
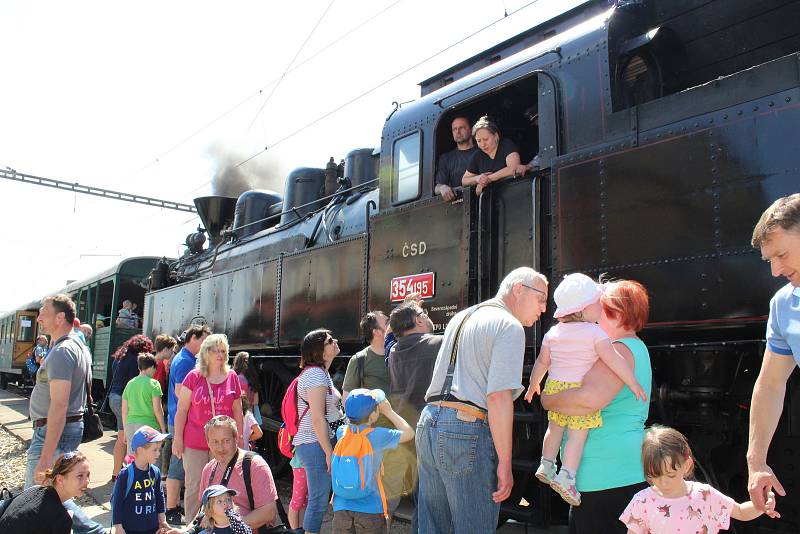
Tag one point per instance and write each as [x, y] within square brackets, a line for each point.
[674, 504]
[569, 350]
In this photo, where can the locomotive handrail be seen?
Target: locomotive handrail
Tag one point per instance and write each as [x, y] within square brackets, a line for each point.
[294, 208]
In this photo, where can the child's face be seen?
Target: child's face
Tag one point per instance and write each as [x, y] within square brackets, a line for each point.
[150, 452]
[219, 505]
[671, 481]
[592, 312]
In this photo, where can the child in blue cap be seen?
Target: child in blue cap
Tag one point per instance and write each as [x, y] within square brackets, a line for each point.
[137, 502]
[359, 505]
[219, 512]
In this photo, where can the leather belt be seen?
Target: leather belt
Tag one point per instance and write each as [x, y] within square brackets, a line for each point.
[71, 419]
[461, 407]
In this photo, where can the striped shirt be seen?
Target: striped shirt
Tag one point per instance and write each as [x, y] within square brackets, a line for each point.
[312, 378]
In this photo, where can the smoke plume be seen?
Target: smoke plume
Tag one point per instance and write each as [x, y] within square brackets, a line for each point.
[231, 181]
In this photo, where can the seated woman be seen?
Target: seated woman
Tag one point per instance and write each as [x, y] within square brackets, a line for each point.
[496, 159]
[41, 509]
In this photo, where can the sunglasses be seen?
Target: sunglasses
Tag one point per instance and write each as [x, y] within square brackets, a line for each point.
[329, 341]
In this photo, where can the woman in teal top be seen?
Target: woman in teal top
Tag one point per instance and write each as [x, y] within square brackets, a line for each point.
[611, 473]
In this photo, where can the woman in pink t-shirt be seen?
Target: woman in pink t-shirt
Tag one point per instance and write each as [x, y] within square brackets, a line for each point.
[196, 407]
[674, 504]
[569, 350]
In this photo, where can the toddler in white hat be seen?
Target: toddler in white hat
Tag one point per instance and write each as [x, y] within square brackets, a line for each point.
[569, 350]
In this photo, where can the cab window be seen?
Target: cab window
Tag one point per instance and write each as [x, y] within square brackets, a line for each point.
[25, 329]
[405, 164]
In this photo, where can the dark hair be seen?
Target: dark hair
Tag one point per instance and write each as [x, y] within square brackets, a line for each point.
[164, 341]
[63, 465]
[404, 318]
[195, 330]
[313, 347]
[243, 366]
[62, 304]
[245, 403]
[145, 360]
[135, 345]
[664, 447]
[485, 123]
[369, 323]
[783, 213]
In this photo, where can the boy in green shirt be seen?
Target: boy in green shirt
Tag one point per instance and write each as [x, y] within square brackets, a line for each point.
[141, 399]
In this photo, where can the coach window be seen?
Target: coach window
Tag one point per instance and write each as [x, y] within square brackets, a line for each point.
[406, 168]
[25, 329]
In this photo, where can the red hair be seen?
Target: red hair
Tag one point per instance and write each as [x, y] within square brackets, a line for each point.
[135, 345]
[626, 301]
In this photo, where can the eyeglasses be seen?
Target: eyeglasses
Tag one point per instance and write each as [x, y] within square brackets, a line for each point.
[329, 341]
[542, 297]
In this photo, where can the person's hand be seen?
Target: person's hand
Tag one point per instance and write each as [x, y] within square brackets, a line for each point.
[484, 180]
[328, 460]
[177, 447]
[760, 484]
[770, 506]
[384, 407]
[43, 465]
[533, 389]
[639, 392]
[520, 170]
[447, 193]
[415, 297]
[478, 189]
[505, 481]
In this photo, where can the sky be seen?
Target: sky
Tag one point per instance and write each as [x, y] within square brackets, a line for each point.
[156, 98]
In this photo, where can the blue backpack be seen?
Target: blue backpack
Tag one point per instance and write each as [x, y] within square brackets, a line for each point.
[352, 469]
[152, 473]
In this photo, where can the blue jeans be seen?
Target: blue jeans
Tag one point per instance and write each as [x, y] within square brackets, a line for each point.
[115, 403]
[70, 439]
[457, 474]
[319, 484]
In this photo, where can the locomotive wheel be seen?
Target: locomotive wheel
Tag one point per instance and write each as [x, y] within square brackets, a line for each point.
[275, 378]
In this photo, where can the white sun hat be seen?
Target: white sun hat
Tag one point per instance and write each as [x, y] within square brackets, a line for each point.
[574, 293]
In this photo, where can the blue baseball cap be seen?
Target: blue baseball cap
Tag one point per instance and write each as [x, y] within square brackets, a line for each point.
[215, 491]
[145, 435]
[362, 402]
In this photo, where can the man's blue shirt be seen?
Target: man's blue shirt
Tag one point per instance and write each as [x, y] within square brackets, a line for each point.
[783, 325]
[181, 365]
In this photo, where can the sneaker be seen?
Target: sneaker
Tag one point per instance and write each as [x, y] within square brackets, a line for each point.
[173, 516]
[565, 487]
[546, 472]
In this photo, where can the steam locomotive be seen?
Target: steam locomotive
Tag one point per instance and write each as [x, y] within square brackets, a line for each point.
[663, 130]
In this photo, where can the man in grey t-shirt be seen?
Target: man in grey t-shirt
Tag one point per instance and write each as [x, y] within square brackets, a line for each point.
[464, 434]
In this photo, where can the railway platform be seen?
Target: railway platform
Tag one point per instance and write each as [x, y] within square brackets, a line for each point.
[14, 419]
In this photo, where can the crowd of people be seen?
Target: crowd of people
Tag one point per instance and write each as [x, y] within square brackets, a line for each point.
[420, 414]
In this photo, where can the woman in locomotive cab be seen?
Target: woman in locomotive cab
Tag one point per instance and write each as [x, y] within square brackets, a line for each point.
[497, 158]
[319, 411]
[611, 471]
[210, 389]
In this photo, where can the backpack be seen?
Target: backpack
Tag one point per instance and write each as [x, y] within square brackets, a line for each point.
[352, 466]
[152, 472]
[291, 421]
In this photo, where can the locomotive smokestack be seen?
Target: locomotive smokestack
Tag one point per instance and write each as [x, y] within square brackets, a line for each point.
[216, 213]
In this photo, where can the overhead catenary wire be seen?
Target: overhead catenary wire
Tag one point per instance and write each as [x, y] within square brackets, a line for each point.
[376, 87]
[289, 66]
[256, 94]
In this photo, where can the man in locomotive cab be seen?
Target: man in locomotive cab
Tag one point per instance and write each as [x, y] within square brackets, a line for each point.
[452, 164]
[777, 234]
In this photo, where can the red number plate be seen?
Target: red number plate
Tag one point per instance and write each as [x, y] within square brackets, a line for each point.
[402, 286]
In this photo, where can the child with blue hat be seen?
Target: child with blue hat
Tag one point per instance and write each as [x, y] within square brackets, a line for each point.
[219, 512]
[359, 503]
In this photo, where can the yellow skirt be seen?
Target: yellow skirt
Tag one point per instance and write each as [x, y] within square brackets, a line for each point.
[574, 422]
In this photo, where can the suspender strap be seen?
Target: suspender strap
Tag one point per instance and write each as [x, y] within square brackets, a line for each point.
[451, 369]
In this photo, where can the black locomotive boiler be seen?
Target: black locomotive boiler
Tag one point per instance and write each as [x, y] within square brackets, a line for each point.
[663, 129]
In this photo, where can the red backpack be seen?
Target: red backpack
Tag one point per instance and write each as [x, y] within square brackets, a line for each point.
[291, 421]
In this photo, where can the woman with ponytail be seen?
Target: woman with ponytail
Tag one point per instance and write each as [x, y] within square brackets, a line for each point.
[40, 509]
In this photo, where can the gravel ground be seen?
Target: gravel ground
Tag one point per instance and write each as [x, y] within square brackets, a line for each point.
[12, 465]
